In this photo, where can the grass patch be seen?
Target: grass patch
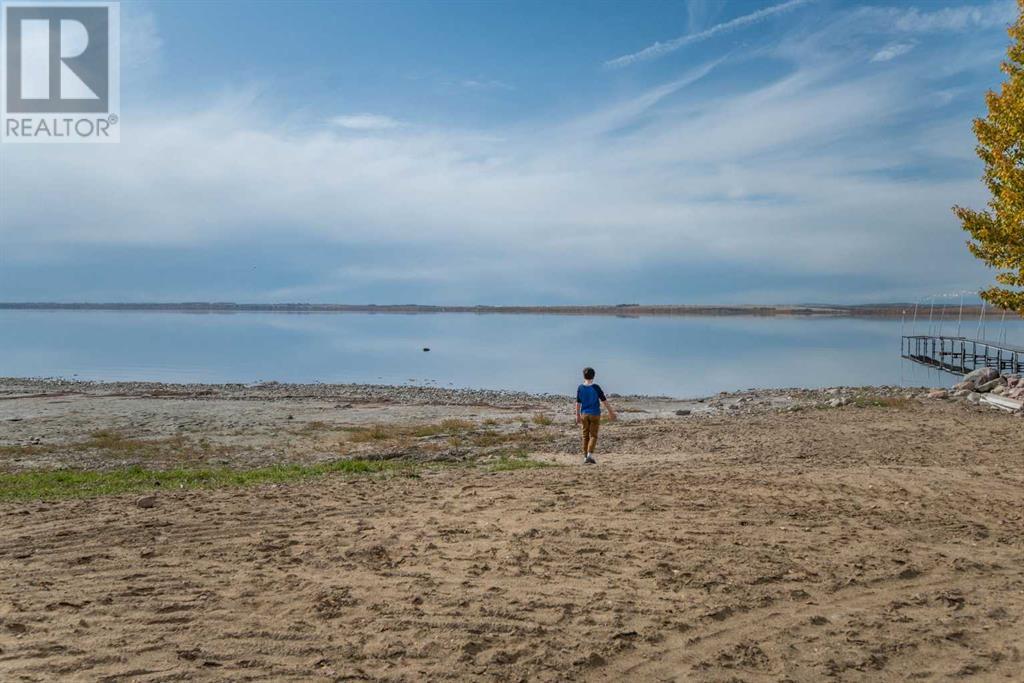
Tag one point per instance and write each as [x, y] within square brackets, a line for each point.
[881, 402]
[52, 484]
[19, 451]
[117, 443]
[507, 464]
[542, 419]
[111, 440]
[449, 426]
[378, 432]
[374, 433]
[312, 428]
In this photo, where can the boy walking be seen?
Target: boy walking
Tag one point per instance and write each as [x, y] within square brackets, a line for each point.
[589, 398]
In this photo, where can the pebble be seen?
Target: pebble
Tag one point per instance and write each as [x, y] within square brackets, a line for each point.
[146, 502]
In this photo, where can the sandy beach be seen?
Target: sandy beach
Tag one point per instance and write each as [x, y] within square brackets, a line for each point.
[850, 534]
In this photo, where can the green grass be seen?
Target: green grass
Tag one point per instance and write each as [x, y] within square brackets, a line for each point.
[51, 484]
[507, 464]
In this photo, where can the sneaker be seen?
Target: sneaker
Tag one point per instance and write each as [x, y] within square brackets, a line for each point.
[589, 460]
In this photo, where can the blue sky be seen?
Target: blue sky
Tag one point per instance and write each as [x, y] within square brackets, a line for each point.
[529, 152]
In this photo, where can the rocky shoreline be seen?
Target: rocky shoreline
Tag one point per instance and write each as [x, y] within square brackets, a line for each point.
[980, 385]
[731, 402]
[58, 423]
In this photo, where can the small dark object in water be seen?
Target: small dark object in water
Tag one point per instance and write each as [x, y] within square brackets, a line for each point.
[426, 348]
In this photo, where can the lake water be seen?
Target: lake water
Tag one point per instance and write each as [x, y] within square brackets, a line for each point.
[678, 356]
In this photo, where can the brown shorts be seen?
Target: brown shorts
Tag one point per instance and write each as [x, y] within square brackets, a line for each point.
[591, 423]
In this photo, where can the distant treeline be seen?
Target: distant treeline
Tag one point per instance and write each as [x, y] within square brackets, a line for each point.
[630, 310]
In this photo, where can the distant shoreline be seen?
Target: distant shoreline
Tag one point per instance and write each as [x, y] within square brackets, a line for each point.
[896, 310]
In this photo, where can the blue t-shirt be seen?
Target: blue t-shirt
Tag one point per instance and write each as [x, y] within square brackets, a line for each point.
[589, 396]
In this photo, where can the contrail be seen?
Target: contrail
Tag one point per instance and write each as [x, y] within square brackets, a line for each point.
[659, 49]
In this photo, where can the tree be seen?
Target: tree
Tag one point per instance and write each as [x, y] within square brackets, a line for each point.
[998, 233]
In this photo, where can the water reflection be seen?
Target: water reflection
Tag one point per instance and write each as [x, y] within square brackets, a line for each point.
[686, 356]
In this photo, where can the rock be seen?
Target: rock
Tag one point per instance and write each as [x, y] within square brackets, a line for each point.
[966, 384]
[938, 393]
[1000, 390]
[960, 393]
[146, 502]
[989, 386]
[981, 375]
[838, 402]
[683, 413]
[974, 397]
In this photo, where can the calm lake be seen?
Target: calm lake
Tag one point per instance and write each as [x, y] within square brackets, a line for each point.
[679, 356]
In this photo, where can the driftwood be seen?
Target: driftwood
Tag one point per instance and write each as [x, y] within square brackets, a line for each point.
[1009, 404]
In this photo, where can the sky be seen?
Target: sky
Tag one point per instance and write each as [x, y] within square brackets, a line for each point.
[781, 151]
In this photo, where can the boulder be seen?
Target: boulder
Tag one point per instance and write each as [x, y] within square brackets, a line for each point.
[981, 375]
[974, 397]
[960, 393]
[966, 384]
[938, 393]
[146, 502]
[989, 386]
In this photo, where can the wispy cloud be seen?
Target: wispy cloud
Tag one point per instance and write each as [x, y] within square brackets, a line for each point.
[993, 15]
[823, 169]
[626, 112]
[366, 122]
[485, 84]
[660, 49]
[890, 52]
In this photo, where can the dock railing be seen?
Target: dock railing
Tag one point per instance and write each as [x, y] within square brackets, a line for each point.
[961, 355]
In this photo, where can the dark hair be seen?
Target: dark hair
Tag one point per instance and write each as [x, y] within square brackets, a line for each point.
[588, 373]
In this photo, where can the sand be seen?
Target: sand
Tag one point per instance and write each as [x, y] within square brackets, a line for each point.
[758, 543]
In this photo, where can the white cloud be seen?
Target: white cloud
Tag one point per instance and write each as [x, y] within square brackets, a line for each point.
[994, 15]
[890, 52]
[723, 183]
[660, 49]
[802, 173]
[366, 122]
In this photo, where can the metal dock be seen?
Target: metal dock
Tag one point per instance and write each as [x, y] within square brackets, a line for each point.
[961, 355]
